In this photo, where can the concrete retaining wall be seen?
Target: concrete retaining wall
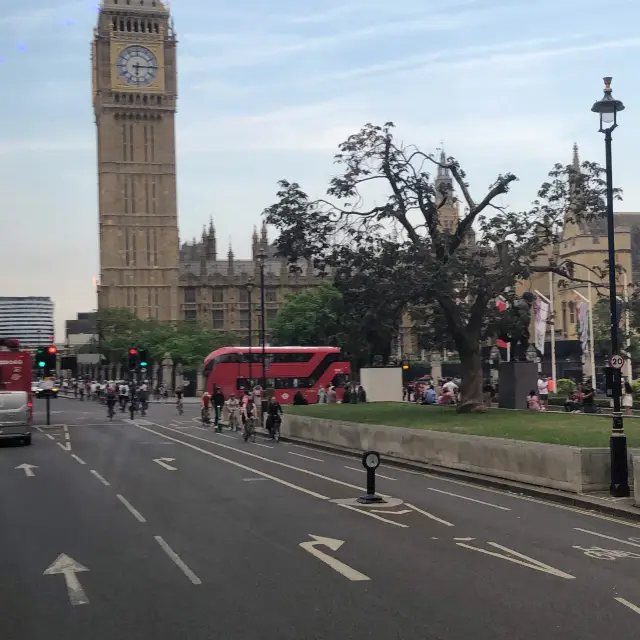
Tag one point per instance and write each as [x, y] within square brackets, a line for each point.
[554, 466]
[636, 478]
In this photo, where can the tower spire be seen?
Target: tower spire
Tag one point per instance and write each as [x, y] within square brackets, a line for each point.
[576, 157]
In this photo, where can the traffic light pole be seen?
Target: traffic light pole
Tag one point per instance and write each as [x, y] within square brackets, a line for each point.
[48, 401]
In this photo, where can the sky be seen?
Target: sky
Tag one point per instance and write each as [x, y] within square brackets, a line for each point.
[269, 88]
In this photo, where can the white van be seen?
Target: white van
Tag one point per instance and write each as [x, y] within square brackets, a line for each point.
[15, 416]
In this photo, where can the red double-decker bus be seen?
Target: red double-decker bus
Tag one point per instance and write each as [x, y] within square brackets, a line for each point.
[288, 370]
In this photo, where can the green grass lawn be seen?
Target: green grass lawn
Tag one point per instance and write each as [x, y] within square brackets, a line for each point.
[554, 428]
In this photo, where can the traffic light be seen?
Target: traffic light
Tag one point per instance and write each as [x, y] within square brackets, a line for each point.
[143, 358]
[133, 359]
[40, 358]
[46, 359]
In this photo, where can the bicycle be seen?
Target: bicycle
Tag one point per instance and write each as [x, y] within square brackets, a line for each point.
[180, 406]
[110, 410]
[206, 416]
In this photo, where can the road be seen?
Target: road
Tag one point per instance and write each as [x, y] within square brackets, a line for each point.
[158, 529]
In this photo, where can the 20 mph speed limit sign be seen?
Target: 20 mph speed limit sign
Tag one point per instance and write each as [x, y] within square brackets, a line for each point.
[617, 361]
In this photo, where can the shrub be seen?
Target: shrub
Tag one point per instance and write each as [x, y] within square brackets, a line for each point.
[565, 386]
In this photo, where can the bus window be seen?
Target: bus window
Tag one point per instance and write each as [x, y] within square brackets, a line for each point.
[340, 380]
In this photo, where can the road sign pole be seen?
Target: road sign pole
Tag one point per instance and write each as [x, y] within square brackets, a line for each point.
[48, 401]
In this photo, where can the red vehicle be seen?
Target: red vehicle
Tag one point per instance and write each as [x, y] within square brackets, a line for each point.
[15, 368]
[288, 370]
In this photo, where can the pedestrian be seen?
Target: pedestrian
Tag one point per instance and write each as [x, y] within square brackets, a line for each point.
[543, 391]
[218, 403]
[322, 396]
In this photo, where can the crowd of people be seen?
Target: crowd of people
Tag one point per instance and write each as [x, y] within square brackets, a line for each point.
[445, 391]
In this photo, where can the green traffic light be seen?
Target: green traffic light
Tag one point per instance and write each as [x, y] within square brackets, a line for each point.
[143, 364]
[41, 364]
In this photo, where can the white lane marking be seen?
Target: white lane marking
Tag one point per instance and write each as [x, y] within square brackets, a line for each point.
[343, 569]
[378, 475]
[49, 436]
[227, 435]
[40, 429]
[392, 513]
[66, 429]
[266, 446]
[525, 560]
[457, 495]
[430, 515]
[236, 464]
[68, 567]
[255, 455]
[75, 457]
[372, 515]
[463, 539]
[134, 512]
[66, 436]
[28, 469]
[64, 446]
[176, 558]
[163, 462]
[300, 455]
[253, 479]
[97, 475]
[626, 603]
[329, 453]
[602, 535]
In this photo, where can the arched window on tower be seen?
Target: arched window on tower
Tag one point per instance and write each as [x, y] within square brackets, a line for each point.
[572, 313]
[128, 25]
[135, 26]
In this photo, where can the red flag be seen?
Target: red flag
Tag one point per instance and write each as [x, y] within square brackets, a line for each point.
[502, 305]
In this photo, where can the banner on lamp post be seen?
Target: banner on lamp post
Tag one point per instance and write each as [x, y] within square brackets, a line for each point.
[540, 317]
[583, 320]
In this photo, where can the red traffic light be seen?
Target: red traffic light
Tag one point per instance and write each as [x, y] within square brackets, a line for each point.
[133, 352]
[52, 350]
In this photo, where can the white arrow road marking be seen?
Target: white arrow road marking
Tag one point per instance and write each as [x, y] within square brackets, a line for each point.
[626, 603]
[430, 515]
[601, 535]
[163, 463]
[392, 513]
[28, 469]
[68, 567]
[65, 447]
[336, 565]
[525, 562]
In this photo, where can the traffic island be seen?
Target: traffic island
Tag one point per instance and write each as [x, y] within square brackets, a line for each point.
[575, 469]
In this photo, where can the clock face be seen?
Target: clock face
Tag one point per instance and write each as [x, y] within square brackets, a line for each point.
[137, 66]
[371, 460]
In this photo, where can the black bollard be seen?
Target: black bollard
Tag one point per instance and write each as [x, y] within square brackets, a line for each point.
[48, 399]
[371, 461]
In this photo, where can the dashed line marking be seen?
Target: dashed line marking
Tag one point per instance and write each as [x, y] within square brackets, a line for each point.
[628, 604]
[136, 514]
[80, 460]
[176, 558]
[457, 495]
[97, 475]
[300, 455]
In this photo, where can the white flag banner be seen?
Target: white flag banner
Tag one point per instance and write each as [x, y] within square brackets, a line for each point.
[583, 320]
[540, 316]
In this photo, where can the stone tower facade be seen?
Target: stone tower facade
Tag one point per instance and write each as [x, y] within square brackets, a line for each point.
[134, 100]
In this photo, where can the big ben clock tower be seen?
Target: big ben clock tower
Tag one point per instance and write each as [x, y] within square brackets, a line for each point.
[134, 100]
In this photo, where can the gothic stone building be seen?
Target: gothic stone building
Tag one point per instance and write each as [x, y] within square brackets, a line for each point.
[214, 292]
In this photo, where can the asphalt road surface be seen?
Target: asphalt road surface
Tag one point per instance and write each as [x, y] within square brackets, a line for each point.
[159, 529]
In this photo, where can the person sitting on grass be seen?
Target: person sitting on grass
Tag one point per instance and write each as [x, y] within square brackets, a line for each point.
[533, 402]
[573, 402]
[446, 397]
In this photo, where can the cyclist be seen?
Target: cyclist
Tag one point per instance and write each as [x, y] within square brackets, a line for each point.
[274, 418]
[218, 403]
[110, 394]
[250, 413]
[123, 392]
[205, 404]
[179, 403]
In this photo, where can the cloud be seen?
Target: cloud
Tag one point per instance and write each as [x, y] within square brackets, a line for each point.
[250, 49]
[64, 144]
[33, 19]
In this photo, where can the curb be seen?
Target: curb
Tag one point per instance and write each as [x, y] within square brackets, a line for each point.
[549, 495]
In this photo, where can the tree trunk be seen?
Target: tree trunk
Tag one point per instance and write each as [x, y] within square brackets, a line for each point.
[471, 393]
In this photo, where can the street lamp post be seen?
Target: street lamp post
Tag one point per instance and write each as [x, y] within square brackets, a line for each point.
[263, 337]
[249, 292]
[608, 109]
